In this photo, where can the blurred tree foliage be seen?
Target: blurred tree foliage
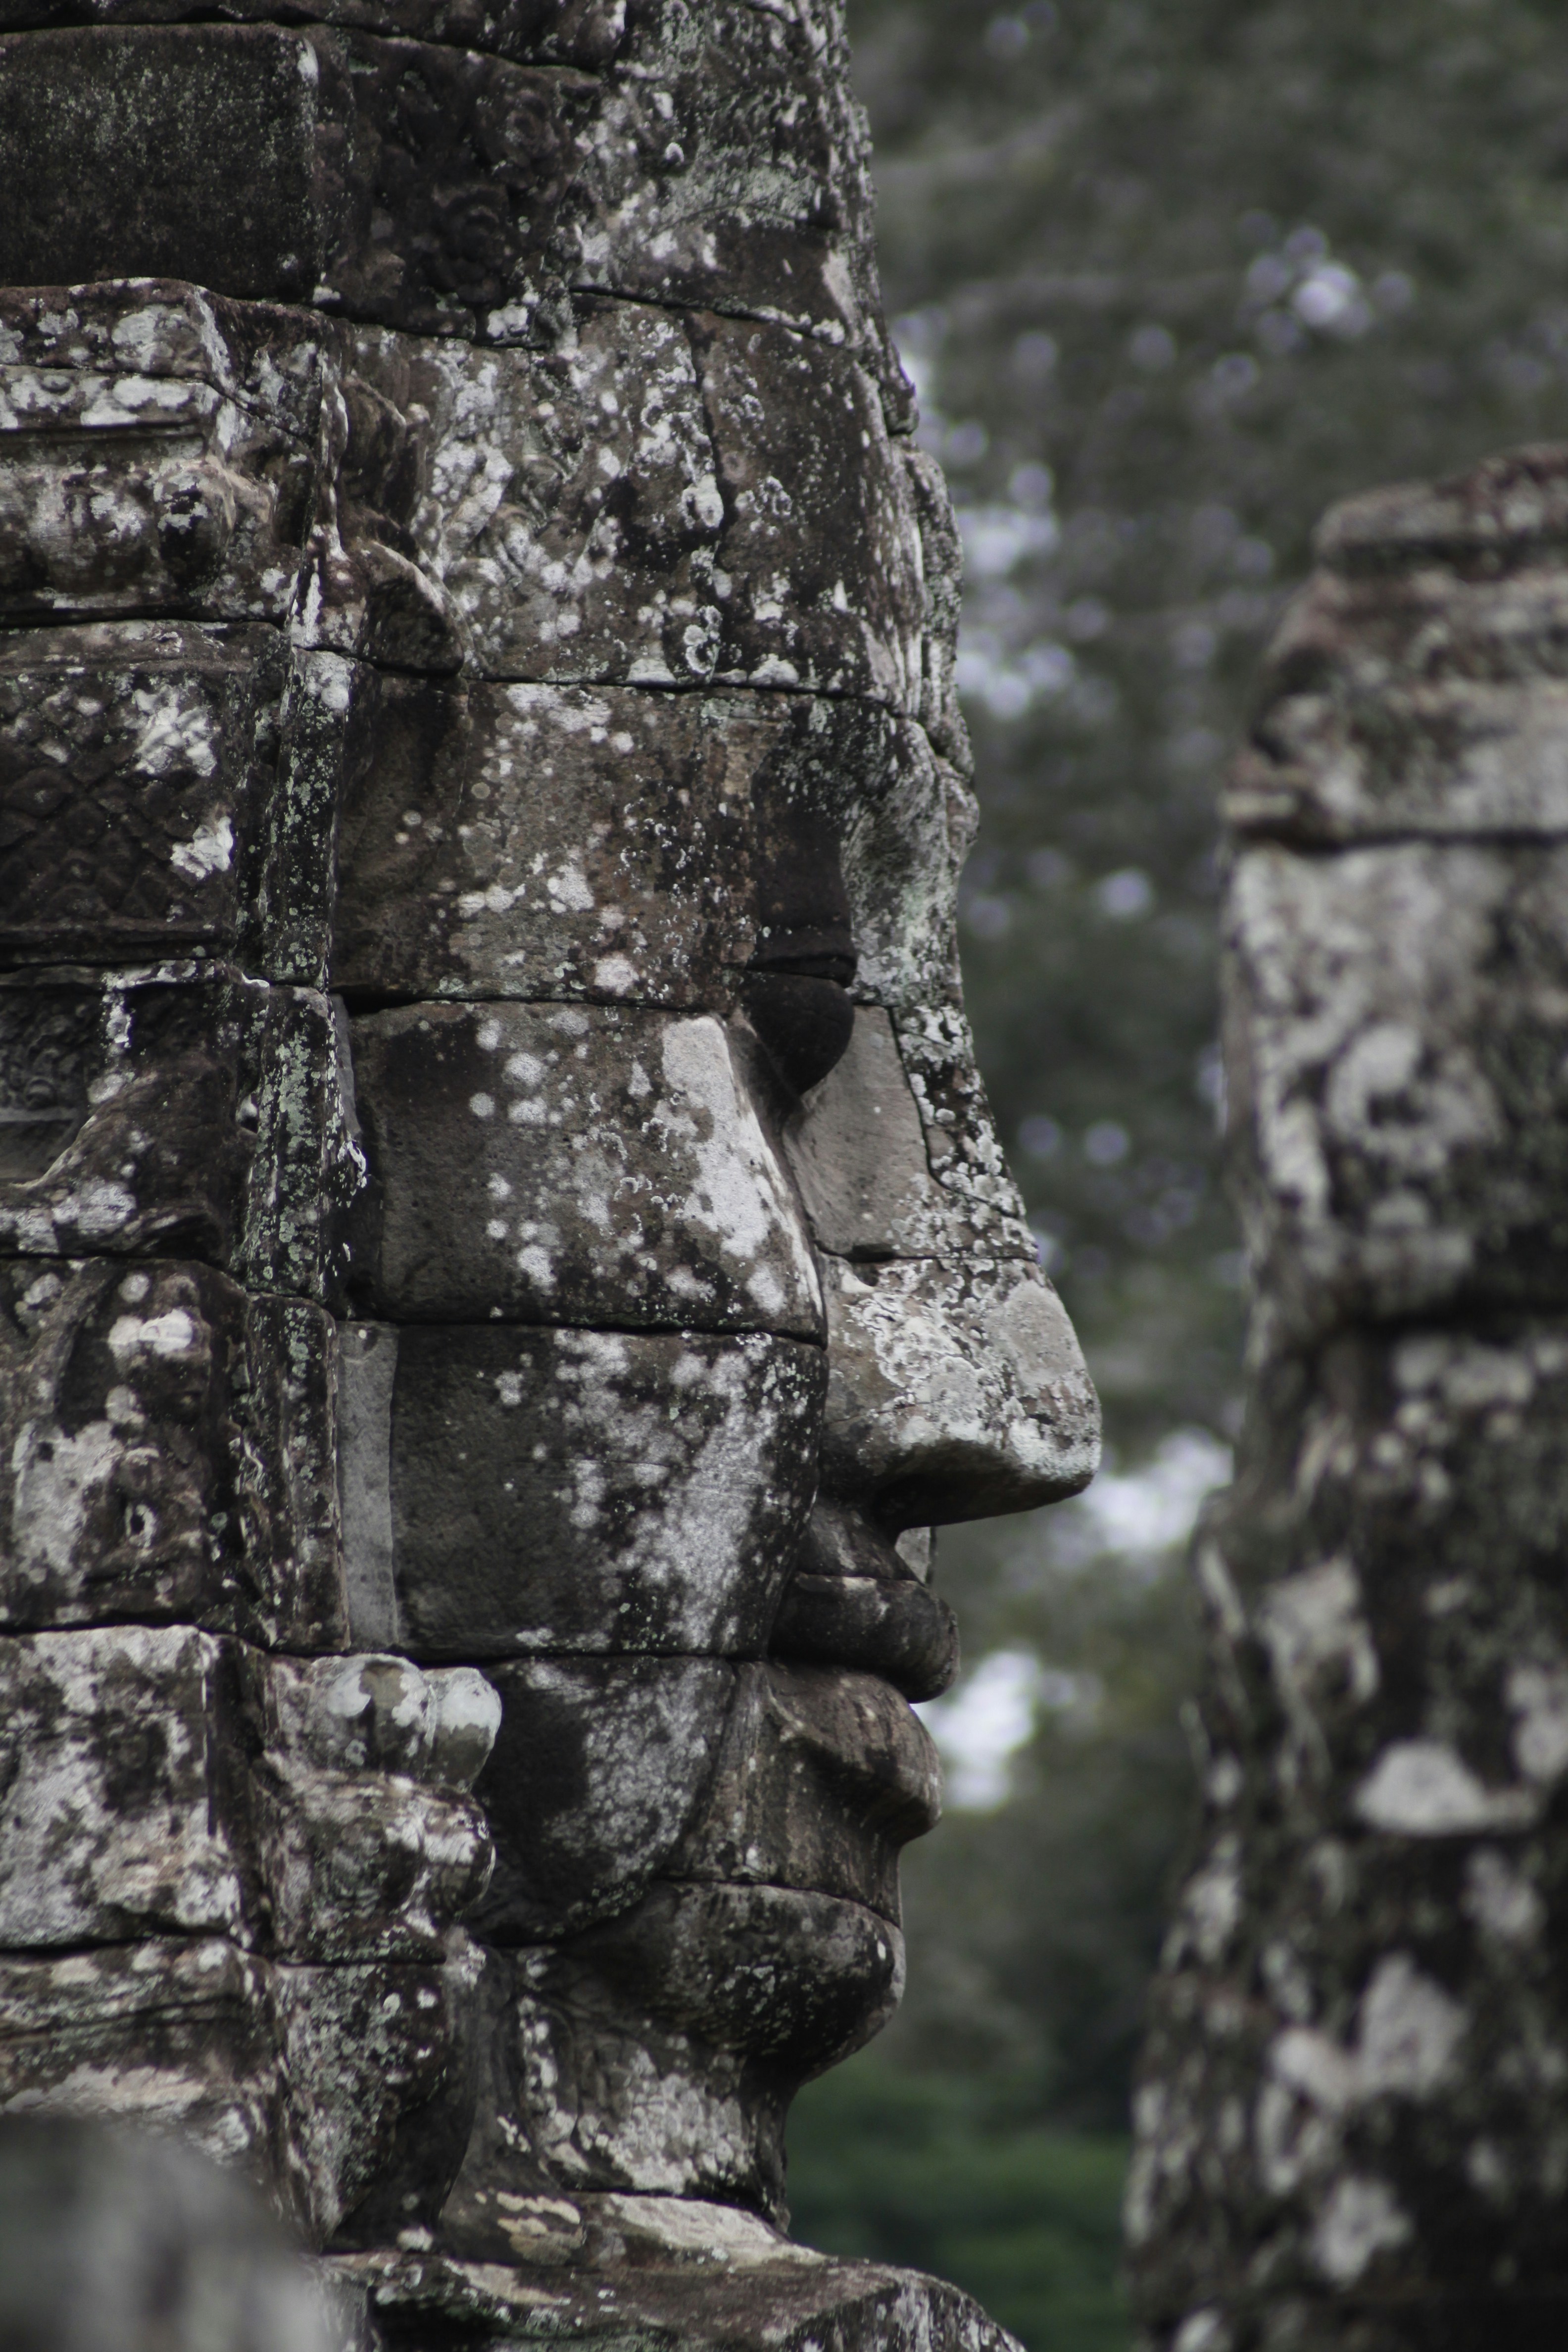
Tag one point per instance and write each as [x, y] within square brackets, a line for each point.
[1171, 276]
[915, 2168]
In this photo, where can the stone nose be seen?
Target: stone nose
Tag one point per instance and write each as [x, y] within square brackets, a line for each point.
[956, 1386]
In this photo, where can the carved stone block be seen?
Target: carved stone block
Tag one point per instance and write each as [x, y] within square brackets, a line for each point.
[155, 449]
[333, 2087]
[574, 1164]
[1400, 1533]
[857, 1150]
[177, 1109]
[367, 1844]
[518, 841]
[672, 2269]
[134, 782]
[543, 860]
[963, 1145]
[159, 1779]
[1415, 685]
[585, 33]
[168, 1454]
[379, 2063]
[822, 565]
[427, 186]
[122, 1768]
[599, 511]
[732, 1991]
[510, 1490]
[172, 2035]
[1398, 1024]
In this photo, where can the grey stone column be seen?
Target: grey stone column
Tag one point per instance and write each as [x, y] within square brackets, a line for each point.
[1353, 2127]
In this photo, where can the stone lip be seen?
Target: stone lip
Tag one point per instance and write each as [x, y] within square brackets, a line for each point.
[656, 2270]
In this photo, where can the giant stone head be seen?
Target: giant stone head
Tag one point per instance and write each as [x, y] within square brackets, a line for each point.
[508, 1258]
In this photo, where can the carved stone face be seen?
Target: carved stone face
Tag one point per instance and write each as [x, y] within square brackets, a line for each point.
[503, 1255]
[689, 1309]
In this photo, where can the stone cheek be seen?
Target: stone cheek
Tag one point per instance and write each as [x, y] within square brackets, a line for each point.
[513, 1491]
[575, 1165]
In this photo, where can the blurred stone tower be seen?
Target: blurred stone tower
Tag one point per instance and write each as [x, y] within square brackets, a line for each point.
[1352, 2128]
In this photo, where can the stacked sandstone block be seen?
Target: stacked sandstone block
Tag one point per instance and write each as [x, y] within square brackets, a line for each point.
[1352, 2129]
[464, 560]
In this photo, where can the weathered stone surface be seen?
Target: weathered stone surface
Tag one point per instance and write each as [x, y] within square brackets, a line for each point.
[909, 822]
[574, 1490]
[1350, 2129]
[585, 33]
[437, 188]
[368, 1848]
[358, 1867]
[122, 1762]
[546, 862]
[675, 2270]
[176, 2035]
[962, 1143]
[538, 841]
[942, 568]
[662, 2049]
[604, 412]
[573, 1164]
[823, 1775]
[889, 1625]
[857, 1149]
[1385, 1579]
[132, 777]
[953, 1390]
[177, 1108]
[823, 562]
[149, 460]
[329, 2086]
[1396, 1038]
[113, 2241]
[598, 1767]
[168, 1454]
[565, 500]
[1417, 684]
[159, 1779]
[609, 510]
[378, 2063]
[269, 363]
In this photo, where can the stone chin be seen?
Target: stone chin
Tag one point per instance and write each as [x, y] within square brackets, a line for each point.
[661, 2053]
[657, 2047]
